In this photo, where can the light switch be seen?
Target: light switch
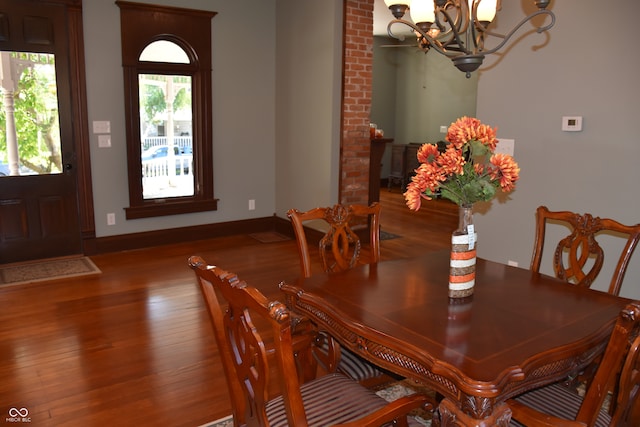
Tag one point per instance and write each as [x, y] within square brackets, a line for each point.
[101, 126]
[505, 146]
[104, 141]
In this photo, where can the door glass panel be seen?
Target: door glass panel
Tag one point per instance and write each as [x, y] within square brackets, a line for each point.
[29, 122]
[166, 136]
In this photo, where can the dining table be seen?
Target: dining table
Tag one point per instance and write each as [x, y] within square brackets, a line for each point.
[518, 330]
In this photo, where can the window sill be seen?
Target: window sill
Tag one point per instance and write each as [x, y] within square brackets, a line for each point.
[165, 208]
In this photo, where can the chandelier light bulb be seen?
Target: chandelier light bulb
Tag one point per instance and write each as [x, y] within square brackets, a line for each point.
[422, 11]
[486, 10]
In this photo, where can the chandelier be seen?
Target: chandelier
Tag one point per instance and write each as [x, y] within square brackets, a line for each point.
[458, 28]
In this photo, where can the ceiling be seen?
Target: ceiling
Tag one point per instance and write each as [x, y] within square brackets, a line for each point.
[381, 18]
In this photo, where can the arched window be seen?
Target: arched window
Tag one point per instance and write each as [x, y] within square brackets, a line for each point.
[166, 57]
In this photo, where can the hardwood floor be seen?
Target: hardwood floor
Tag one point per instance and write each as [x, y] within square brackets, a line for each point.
[133, 346]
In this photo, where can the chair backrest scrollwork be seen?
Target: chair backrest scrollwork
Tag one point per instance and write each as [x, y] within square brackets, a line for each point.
[578, 258]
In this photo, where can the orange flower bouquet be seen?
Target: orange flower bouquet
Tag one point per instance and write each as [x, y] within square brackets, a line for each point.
[466, 171]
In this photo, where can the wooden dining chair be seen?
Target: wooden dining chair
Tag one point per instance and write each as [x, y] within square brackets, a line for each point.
[331, 399]
[558, 406]
[579, 250]
[339, 249]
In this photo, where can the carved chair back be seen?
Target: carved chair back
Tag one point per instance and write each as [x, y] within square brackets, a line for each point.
[240, 332]
[617, 372]
[578, 251]
[626, 408]
[611, 367]
[242, 348]
[340, 247]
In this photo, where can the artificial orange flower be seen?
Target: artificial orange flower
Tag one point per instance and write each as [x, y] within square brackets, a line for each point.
[467, 129]
[506, 170]
[456, 172]
[452, 161]
[428, 153]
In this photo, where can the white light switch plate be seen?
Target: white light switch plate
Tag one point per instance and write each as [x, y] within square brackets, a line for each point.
[505, 146]
[101, 126]
[104, 141]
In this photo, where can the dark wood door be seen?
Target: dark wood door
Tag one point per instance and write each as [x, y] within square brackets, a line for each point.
[39, 214]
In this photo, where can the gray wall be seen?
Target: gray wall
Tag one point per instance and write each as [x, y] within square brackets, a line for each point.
[243, 112]
[576, 71]
[414, 94]
[308, 98]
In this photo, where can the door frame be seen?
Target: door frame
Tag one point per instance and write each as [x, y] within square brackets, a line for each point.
[80, 124]
[80, 156]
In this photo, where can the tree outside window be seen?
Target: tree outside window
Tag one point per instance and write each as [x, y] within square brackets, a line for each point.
[29, 121]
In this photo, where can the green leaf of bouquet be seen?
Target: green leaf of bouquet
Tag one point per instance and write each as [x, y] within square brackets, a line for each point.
[478, 149]
[449, 195]
[488, 190]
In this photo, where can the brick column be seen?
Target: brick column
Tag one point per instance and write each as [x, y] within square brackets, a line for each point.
[356, 101]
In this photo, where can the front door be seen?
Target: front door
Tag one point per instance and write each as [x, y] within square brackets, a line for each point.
[39, 213]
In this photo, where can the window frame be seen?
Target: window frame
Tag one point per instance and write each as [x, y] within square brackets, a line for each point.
[141, 25]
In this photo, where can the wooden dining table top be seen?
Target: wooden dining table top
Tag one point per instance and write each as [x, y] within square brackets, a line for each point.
[517, 331]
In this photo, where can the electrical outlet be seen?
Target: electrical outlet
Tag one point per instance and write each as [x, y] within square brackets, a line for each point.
[512, 263]
[252, 205]
[111, 219]
[444, 129]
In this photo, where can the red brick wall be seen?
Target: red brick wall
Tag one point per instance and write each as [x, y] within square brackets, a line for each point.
[356, 104]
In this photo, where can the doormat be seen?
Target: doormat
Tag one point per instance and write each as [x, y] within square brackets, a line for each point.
[269, 237]
[49, 269]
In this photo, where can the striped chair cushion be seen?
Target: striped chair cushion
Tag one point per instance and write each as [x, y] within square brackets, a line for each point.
[353, 366]
[329, 400]
[559, 401]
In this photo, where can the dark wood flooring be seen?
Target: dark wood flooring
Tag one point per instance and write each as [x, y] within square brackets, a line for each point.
[133, 346]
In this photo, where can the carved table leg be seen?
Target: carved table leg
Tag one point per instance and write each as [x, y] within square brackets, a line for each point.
[450, 415]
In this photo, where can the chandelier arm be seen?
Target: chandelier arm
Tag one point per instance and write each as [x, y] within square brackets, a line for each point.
[455, 31]
[517, 27]
[444, 11]
[478, 29]
[436, 44]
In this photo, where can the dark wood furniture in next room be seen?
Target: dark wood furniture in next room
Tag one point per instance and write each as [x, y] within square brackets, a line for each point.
[378, 146]
[404, 161]
[520, 330]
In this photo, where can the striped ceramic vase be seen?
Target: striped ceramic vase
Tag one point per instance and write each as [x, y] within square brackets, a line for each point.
[462, 272]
